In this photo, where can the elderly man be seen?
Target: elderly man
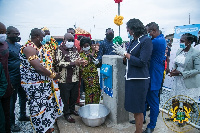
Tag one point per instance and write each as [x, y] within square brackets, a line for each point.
[68, 62]
[76, 41]
[14, 72]
[5, 100]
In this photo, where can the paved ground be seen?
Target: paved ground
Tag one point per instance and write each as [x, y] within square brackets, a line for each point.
[107, 127]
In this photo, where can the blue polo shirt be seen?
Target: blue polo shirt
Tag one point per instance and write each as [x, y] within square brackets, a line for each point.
[105, 48]
[156, 64]
[14, 63]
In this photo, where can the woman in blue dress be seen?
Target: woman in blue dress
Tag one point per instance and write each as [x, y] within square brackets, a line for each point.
[137, 77]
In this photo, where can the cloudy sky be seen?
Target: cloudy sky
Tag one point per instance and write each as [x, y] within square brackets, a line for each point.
[96, 15]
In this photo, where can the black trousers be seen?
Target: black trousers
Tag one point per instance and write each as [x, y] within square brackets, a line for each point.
[6, 108]
[22, 103]
[69, 94]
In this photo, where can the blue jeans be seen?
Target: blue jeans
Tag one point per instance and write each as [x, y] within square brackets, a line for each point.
[22, 103]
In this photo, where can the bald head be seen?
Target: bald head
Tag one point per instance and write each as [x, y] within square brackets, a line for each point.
[68, 36]
[11, 29]
[2, 28]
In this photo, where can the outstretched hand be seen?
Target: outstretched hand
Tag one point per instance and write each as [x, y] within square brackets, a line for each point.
[119, 50]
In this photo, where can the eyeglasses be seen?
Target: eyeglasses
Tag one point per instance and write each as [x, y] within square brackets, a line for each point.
[70, 40]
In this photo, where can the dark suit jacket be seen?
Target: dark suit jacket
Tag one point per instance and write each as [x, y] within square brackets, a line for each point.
[138, 64]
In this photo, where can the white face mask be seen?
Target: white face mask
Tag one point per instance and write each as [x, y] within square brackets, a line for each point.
[2, 38]
[69, 44]
[86, 49]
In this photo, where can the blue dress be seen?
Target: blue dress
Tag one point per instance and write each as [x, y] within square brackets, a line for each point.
[137, 74]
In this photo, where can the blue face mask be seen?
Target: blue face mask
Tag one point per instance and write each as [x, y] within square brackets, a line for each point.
[130, 36]
[182, 45]
[149, 35]
[46, 39]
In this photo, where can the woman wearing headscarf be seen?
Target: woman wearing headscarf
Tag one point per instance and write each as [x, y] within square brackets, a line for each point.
[89, 73]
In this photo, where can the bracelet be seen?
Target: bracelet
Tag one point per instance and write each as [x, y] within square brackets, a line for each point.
[33, 57]
[53, 75]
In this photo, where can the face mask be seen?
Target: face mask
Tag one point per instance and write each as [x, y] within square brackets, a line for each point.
[182, 45]
[14, 39]
[130, 36]
[46, 39]
[69, 44]
[86, 49]
[43, 42]
[149, 35]
[192, 44]
[2, 38]
[109, 36]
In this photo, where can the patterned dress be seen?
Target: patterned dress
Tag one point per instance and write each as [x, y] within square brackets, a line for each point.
[91, 80]
[45, 102]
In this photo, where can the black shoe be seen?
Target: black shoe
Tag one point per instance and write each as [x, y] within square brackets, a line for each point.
[15, 128]
[25, 118]
[169, 119]
[75, 113]
[148, 108]
[181, 124]
[133, 122]
[148, 130]
[70, 119]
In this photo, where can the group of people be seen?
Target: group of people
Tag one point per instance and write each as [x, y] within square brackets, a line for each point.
[10, 60]
[144, 59]
[50, 75]
[47, 75]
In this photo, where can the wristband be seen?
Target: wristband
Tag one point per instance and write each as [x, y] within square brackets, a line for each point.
[53, 75]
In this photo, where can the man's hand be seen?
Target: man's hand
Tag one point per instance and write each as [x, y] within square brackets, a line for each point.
[57, 76]
[77, 62]
[83, 62]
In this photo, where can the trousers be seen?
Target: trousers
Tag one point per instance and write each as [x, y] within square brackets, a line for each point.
[5, 102]
[153, 101]
[69, 93]
[22, 103]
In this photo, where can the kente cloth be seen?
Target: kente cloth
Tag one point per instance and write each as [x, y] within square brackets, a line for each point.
[44, 104]
[90, 77]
